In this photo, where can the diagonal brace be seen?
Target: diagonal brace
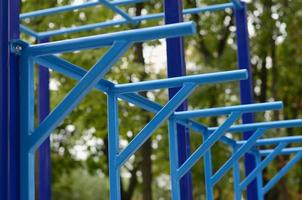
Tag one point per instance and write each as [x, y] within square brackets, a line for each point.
[262, 165]
[202, 149]
[119, 11]
[238, 153]
[158, 120]
[282, 172]
[91, 78]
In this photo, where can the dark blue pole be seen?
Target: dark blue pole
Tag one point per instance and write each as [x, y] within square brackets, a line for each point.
[246, 89]
[44, 149]
[9, 101]
[177, 67]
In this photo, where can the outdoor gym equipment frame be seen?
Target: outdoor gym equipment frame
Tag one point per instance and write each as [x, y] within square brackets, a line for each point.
[32, 138]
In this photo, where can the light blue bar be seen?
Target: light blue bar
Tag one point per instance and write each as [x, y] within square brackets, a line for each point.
[276, 140]
[208, 170]
[173, 151]
[158, 120]
[282, 172]
[119, 11]
[92, 77]
[259, 177]
[286, 151]
[262, 165]
[113, 148]
[216, 77]
[201, 150]
[27, 158]
[266, 125]
[236, 156]
[246, 108]
[236, 176]
[135, 18]
[29, 31]
[135, 35]
[73, 71]
[55, 10]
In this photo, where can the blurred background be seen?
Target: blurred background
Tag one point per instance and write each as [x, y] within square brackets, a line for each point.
[79, 144]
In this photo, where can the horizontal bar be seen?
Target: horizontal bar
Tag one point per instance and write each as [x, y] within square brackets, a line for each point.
[66, 8]
[29, 31]
[216, 77]
[247, 108]
[282, 172]
[285, 151]
[135, 18]
[157, 121]
[135, 35]
[267, 125]
[272, 141]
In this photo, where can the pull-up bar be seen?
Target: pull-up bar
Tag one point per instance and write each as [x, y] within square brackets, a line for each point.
[135, 35]
[112, 4]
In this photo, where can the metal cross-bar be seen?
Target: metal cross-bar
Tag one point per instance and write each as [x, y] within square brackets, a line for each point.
[55, 10]
[135, 35]
[135, 19]
[246, 108]
[216, 77]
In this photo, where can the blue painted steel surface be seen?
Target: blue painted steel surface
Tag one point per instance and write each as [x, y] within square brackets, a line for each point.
[246, 87]
[135, 19]
[77, 93]
[282, 172]
[9, 101]
[180, 161]
[135, 35]
[176, 66]
[44, 149]
[262, 165]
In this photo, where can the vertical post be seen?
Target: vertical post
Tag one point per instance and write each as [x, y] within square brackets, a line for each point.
[246, 88]
[174, 164]
[177, 67]
[236, 176]
[208, 171]
[113, 148]
[9, 101]
[44, 152]
[259, 178]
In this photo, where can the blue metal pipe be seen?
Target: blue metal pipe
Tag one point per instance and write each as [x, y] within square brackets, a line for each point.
[216, 77]
[276, 140]
[202, 149]
[73, 71]
[235, 157]
[55, 10]
[282, 172]
[286, 151]
[113, 148]
[262, 165]
[136, 35]
[44, 150]
[266, 125]
[89, 81]
[119, 11]
[158, 120]
[136, 19]
[246, 108]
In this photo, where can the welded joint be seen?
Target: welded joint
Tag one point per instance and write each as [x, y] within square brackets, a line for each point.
[18, 46]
